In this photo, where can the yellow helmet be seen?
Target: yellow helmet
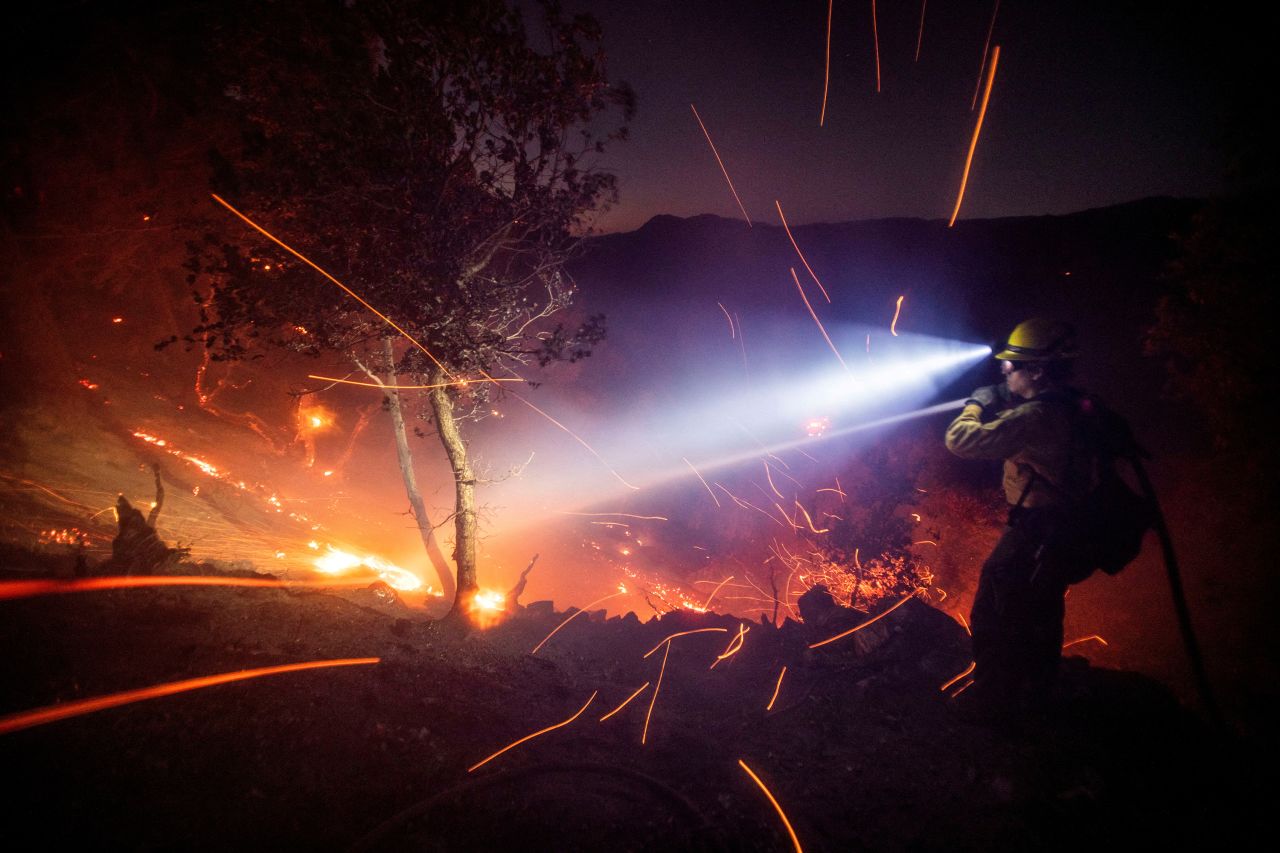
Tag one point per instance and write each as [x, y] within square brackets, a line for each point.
[1040, 339]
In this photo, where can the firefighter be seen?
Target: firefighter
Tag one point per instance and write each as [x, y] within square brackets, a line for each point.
[1019, 607]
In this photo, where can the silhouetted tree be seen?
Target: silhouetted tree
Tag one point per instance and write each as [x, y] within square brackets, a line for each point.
[437, 159]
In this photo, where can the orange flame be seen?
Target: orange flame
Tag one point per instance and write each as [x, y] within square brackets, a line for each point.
[65, 710]
[480, 764]
[893, 326]
[336, 562]
[486, 607]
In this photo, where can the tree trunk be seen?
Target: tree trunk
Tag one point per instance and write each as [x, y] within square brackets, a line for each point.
[410, 481]
[464, 515]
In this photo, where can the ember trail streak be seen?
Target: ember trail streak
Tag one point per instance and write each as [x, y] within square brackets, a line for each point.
[977, 129]
[535, 734]
[65, 710]
[29, 589]
[790, 831]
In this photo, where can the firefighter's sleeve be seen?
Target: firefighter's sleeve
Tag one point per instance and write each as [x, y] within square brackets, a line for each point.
[969, 438]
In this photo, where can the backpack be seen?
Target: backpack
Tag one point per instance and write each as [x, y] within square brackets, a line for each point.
[1109, 523]
[1103, 529]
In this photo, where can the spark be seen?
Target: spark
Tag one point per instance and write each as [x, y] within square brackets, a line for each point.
[920, 38]
[819, 322]
[644, 735]
[619, 514]
[65, 710]
[704, 482]
[734, 645]
[707, 606]
[1085, 640]
[730, 319]
[48, 491]
[856, 628]
[774, 801]
[966, 686]
[578, 439]
[625, 702]
[573, 616]
[748, 505]
[796, 246]
[968, 669]
[28, 589]
[458, 383]
[986, 49]
[977, 129]
[322, 272]
[117, 320]
[777, 688]
[475, 767]
[770, 479]
[826, 79]
[668, 640]
[809, 520]
[893, 327]
[964, 623]
[875, 33]
[742, 345]
[721, 162]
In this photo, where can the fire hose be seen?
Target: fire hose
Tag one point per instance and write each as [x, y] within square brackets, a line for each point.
[1189, 640]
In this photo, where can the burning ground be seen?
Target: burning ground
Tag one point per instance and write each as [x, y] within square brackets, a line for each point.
[854, 740]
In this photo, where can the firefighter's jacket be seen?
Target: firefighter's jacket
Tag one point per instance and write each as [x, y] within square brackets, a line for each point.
[1034, 437]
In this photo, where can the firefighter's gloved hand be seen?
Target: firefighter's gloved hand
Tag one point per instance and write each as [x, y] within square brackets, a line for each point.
[990, 397]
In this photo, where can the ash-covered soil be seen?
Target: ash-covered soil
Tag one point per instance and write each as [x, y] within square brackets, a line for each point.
[859, 748]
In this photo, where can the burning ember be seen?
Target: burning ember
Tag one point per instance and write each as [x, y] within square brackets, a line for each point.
[335, 562]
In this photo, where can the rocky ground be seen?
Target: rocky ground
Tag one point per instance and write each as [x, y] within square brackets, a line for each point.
[859, 748]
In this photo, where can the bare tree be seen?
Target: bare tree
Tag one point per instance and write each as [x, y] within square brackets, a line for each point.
[437, 160]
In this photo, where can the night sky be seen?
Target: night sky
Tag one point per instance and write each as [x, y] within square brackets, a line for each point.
[1093, 104]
